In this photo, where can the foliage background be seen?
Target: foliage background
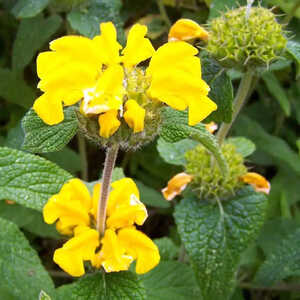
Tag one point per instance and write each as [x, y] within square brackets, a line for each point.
[269, 268]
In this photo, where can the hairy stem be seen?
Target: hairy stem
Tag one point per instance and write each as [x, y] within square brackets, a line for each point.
[83, 156]
[163, 12]
[238, 103]
[110, 159]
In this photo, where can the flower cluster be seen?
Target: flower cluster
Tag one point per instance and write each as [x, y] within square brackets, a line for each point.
[75, 211]
[95, 73]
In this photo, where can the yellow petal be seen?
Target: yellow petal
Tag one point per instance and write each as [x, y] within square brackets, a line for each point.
[134, 116]
[122, 190]
[78, 49]
[139, 246]
[176, 185]
[71, 206]
[49, 108]
[72, 97]
[109, 123]
[138, 48]
[107, 43]
[259, 183]
[186, 29]
[95, 199]
[112, 254]
[81, 247]
[169, 55]
[107, 94]
[200, 109]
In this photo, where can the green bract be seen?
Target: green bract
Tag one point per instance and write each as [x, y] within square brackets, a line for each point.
[244, 38]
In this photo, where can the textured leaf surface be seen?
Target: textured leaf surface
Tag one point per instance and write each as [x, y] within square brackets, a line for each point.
[14, 89]
[40, 137]
[28, 179]
[283, 262]
[171, 280]
[175, 128]
[218, 6]
[29, 8]
[87, 22]
[274, 146]
[23, 276]
[277, 91]
[221, 91]
[293, 49]
[215, 241]
[32, 34]
[100, 286]
[173, 153]
[244, 146]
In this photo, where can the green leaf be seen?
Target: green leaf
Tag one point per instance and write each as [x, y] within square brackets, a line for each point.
[23, 275]
[173, 153]
[29, 8]
[221, 91]
[87, 21]
[175, 128]
[40, 137]
[277, 91]
[171, 280]
[293, 49]
[243, 146]
[284, 261]
[29, 179]
[15, 137]
[272, 145]
[14, 89]
[117, 174]
[32, 34]
[216, 238]
[167, 249]
[101, 286]
[151, 197]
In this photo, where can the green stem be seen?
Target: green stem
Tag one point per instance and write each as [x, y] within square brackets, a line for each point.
[110, 160]
[83, 156]
[163, 12]
[238, 103]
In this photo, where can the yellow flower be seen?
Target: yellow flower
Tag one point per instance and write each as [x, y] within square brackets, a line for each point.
[94, 72]
[176, 185]
[186, 29]
[259, 183]
[75, 211]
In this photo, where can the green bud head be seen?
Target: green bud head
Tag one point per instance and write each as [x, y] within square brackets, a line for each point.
[246, 38]
[208, 181]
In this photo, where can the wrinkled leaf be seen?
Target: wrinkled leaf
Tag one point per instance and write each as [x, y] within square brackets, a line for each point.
[171, 280]
[101, 286]
[29, 179]
[175, 128]
[23, 275]
[221, 91]
[40, 137]
[215, 239]
[293, 49]
[284, 261]
[167, 249]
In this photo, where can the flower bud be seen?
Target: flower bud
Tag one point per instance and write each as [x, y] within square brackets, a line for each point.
[244, 39]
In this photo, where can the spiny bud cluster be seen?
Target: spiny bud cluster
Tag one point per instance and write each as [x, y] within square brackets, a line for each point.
[246, 37]
[208, 181]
